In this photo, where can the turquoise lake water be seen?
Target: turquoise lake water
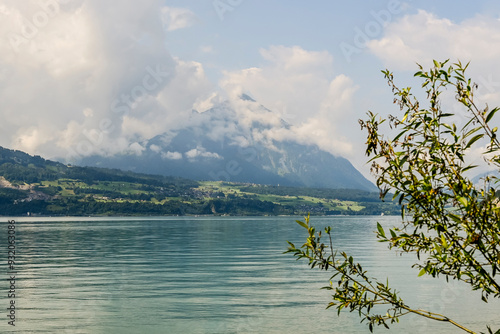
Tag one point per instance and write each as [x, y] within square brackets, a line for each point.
[208, 275]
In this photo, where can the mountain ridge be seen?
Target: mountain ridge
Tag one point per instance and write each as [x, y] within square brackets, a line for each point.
[229, 144]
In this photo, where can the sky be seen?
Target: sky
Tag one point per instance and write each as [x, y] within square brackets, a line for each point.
[81, 77]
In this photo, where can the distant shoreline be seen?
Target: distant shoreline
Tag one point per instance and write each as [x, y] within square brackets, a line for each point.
[111, 218]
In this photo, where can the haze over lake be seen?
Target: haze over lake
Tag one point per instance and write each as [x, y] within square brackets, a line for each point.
[208, 275]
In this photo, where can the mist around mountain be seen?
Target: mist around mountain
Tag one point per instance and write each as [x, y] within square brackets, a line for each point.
[243, 142]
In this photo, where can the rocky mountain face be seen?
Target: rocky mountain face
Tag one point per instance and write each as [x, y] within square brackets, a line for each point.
[238, 143]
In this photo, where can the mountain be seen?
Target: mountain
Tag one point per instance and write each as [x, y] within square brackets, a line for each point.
[238, 143]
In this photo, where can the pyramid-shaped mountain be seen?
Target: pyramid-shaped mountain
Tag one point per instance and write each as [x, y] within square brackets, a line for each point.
[234, 142]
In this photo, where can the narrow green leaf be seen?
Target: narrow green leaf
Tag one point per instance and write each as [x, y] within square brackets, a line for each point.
[447, 115]
[469, 167]
[422, 272]
[471, 132]
[381, 230]
[304, 225]
[473, 140]
[491, 114]
[393, 234]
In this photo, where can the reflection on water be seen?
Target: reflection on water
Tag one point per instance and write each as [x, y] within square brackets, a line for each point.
[206, 275]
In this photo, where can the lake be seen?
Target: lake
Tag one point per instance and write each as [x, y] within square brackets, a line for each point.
[208, 275]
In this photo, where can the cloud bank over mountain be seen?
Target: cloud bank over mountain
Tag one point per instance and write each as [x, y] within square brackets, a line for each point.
[92, 78]
[86, 77]
[96, 78]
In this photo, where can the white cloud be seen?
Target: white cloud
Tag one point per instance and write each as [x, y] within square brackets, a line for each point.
[136, 148]
[301, 87]
[293, 78]
[94, 77]
[31, 137]
[201, 152]
[155, 148]
[189, 85]
[171, 155]
[177, 18]
[87, 112]
[204, 103]
[423, 37]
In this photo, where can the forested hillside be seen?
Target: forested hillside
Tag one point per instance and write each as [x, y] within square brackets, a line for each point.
[33, 185]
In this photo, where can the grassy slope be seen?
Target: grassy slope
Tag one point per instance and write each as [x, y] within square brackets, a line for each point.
[296, 201]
